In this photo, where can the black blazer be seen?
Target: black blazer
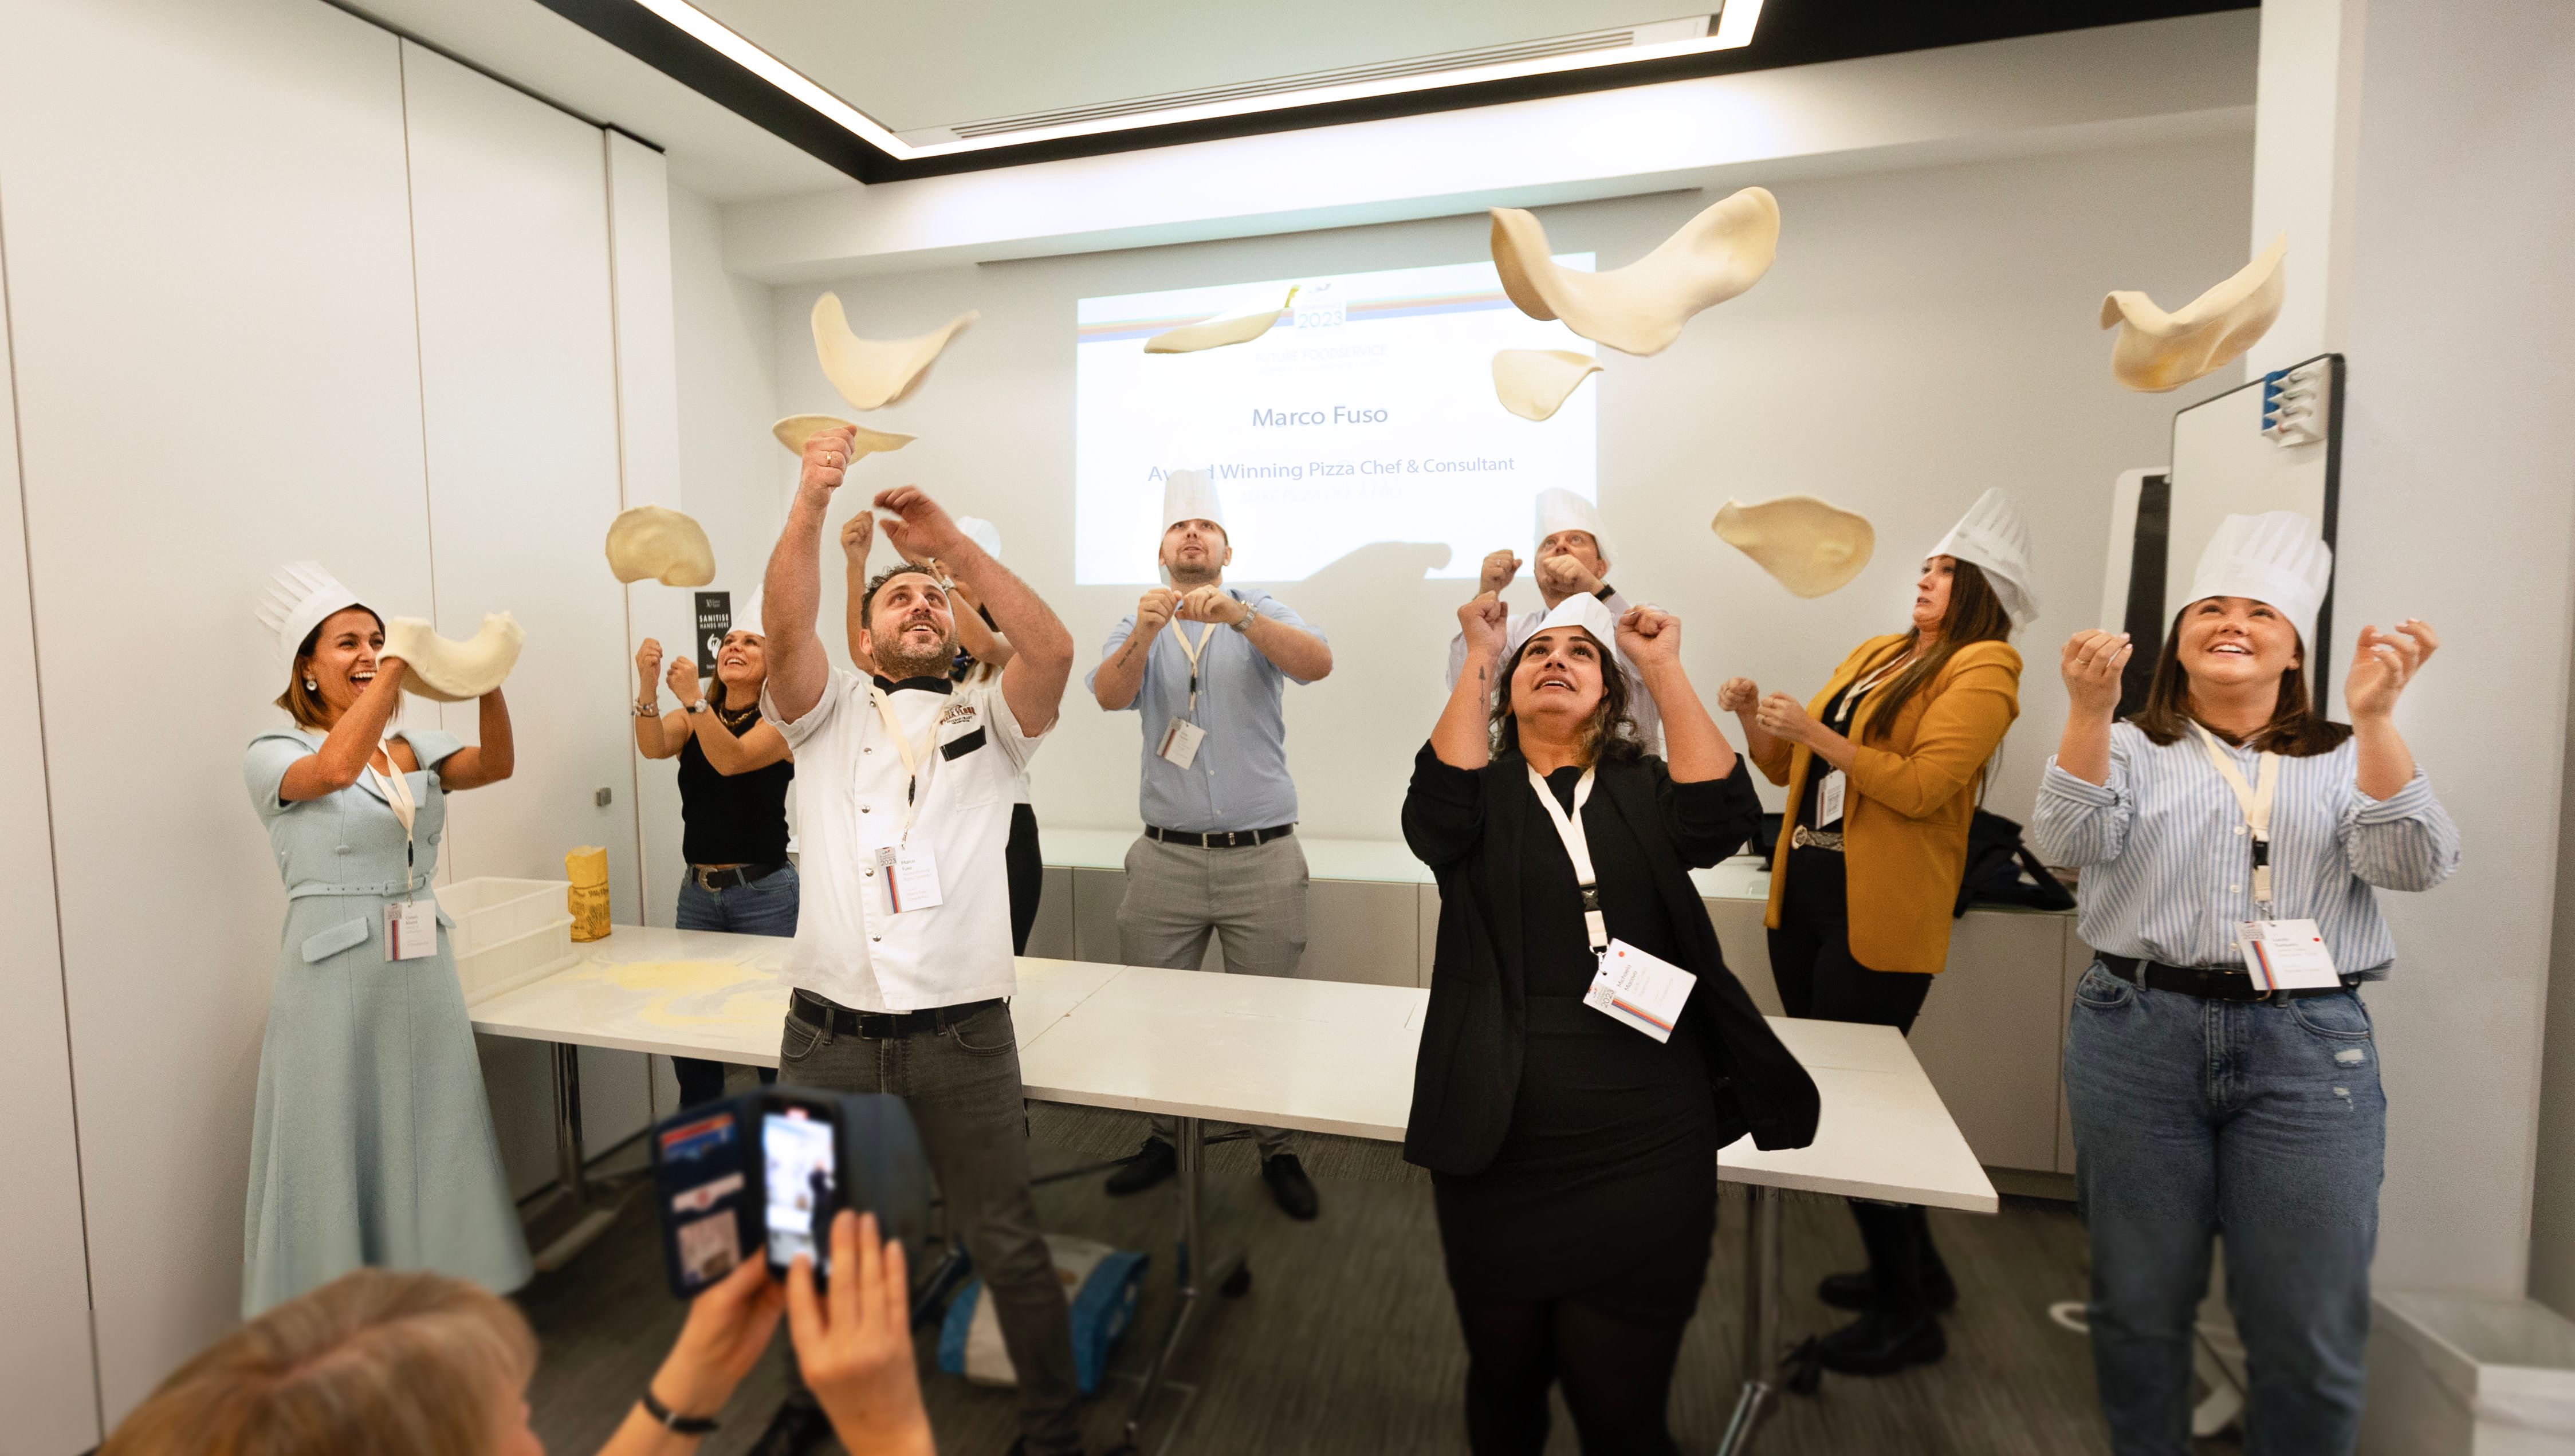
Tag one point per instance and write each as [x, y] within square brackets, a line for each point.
[1467, 828]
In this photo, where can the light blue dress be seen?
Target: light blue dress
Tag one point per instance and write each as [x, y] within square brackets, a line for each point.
[372, 1145]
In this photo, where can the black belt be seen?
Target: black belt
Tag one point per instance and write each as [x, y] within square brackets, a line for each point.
[733, 874]
[840, 1020]
[1222, 839]
[2213, 983]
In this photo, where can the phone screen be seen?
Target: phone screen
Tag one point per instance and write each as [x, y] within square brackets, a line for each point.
[798, 1145]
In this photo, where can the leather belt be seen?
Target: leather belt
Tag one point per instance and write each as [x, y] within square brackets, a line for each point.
[2211, 982]
[840, 1020]
[1802, 837]
[1222, 839]
[733, 874]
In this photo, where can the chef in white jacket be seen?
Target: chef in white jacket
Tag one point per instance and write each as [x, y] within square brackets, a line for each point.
[1573, 558]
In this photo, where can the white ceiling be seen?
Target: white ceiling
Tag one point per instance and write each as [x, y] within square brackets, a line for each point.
[712, 152]
[912, 66]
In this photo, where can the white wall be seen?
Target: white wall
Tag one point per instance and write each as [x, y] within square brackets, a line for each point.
[1924, 335]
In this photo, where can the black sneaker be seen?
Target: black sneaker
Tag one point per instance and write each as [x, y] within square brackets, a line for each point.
[798, 1427]
[1289, 1185]
[1153, 1162]
[1855, 1290]
[1882, 1342]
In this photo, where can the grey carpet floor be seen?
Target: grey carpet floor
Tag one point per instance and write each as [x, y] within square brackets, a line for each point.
[1346, 1344]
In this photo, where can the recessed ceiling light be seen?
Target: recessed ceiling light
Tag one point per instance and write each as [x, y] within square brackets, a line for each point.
[1729, 28]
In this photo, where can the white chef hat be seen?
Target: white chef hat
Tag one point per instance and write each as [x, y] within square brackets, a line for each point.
[2277, 556]
[1560, 510]
[988, 536]
[1187, 495]
[1584, 610]
[1994, 536]
[301, 595]
[745, 611]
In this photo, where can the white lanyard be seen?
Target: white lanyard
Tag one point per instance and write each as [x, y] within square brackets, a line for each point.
[396, 786]
[2256, 802]
[1193, 651]
[1852, 694]
[1578, 847]
[912, 757]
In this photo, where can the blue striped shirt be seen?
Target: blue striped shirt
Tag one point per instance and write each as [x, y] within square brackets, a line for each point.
[2168, 864]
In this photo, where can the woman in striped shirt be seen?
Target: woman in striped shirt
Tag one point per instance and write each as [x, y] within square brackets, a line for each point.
[2201, 1105]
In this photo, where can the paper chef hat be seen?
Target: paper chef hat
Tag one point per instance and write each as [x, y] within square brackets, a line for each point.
[988, 536]
[2277, 556]
[1584, 610]
[301, 596]
[1566, 510]
[1994, 536]
[1187, 495]
[746, 616]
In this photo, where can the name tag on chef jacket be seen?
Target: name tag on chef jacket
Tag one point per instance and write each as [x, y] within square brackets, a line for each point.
[2286, 955]
[911, 878]
[1644, 992]
[1828, 799]
[411, 929]
[1181, 741]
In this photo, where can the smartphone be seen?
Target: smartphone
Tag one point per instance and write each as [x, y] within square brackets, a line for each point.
[800, 1176]
[701, 1175]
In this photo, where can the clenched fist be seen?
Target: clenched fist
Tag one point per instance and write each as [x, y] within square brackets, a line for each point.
[1153, 609]
[827, 459]
[1501, 569]
[1738, 695]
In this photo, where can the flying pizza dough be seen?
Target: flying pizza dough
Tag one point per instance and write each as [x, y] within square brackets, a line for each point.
[1213, 333]
[1639, 309]
[2157, 351]
[874, 373]
[659, 543]
[795, 430]
[1534, 382]
[1807, 546]
[454, 671]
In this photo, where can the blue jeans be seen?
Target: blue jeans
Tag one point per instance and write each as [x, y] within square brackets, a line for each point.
[766, 906]
[2261, 1122]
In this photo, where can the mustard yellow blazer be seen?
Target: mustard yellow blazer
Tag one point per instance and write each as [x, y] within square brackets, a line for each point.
[1912, 793]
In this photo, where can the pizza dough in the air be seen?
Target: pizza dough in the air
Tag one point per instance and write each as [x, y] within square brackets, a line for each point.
[454, 671]
[795, 430]
[874, 373]
[1807, 546]
[2157, 351]
[1217, 332]
[654, 543]
[1534, 382]
[1639, 309]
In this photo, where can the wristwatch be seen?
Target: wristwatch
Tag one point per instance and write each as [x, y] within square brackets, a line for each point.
[701, 705]
[1605, 591]
[1243, 624]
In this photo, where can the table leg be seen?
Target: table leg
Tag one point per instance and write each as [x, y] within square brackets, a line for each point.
[1191, 1281]
[1762, 1298]
[572, 1212]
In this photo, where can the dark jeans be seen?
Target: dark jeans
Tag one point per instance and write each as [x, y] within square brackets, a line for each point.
[1027, 865]
[962, 1084]
[766, 906]
[2264, 1123]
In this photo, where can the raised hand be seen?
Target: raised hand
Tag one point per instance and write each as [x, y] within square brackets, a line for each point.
[858, 534]
[727, 1332]
[2383, 663]
[1211, 603]
[853, 1344]
[1486, 625]
[1501, 569]
[1782, 717]
[827, 460]
[1153, 609]
[1738, 695]
[920, 527]
[684, 681]
[648, 666]
[2091, 665]
[1649, 636]
[1565, 576]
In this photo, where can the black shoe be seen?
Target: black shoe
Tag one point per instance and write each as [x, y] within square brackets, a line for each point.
[1289, 1185]
[798, 1427]
[1019, 1447]
[1153, 1162]
[1854, 1289]
[1882, 1342]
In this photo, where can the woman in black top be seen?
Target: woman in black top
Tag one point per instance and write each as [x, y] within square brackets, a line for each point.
[1574, 1160]
[734, 772]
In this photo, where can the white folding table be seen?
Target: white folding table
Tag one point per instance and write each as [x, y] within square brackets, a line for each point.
[1315, 1056]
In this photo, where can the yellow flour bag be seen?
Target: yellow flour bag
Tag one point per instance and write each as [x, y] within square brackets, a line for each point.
[587, 867]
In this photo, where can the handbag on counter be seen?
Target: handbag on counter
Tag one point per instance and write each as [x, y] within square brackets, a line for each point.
[2003, 870]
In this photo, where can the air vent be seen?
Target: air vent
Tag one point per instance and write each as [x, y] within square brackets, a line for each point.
[1688, 28]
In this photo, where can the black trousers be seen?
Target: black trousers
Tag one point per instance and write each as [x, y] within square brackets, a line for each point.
[1027, 865]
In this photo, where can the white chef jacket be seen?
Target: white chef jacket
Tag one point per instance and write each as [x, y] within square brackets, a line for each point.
[849, 947]
[1640, 704]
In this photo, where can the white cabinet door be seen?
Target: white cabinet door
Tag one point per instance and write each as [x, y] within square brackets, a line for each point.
[518, 365]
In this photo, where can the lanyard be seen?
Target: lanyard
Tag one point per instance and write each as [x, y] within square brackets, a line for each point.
[912, 757]
[1192, 649]
[2256, 802]
[398, 797]
[1578, 847]
[1852, 694]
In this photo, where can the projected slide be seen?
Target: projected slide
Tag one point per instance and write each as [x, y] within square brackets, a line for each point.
[1367, 415]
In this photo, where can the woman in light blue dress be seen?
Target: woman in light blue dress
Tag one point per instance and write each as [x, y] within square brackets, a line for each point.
[372, 1143]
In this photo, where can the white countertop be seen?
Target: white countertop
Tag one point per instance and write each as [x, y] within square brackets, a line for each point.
[1318, 1055]
[1385, 862]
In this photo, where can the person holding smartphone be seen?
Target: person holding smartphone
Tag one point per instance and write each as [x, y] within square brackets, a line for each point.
[2224, 818]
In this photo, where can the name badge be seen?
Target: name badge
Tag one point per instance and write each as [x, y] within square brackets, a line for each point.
[1642, 991]
[911, 878]
[1181, 741]
[1828, 799]
[411, 929]
[2286, 955]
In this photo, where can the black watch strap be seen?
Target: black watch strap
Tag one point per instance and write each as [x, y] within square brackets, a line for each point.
[673, 1421]
[1606, 591]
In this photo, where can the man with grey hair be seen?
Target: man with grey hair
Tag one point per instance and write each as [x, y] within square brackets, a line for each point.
[1573, 560]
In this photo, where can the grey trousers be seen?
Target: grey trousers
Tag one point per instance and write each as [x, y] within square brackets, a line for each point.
[1251, 898]
[962, 1084]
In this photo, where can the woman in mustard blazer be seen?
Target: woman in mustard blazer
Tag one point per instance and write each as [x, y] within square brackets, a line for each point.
[1883, 770]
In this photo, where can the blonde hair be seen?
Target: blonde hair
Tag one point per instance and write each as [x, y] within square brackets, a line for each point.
[393, 1364]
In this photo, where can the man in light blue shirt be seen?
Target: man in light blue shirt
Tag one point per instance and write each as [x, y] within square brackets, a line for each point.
[1206, 665]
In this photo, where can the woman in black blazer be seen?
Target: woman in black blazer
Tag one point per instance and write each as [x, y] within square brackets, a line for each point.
[1574, 1159]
